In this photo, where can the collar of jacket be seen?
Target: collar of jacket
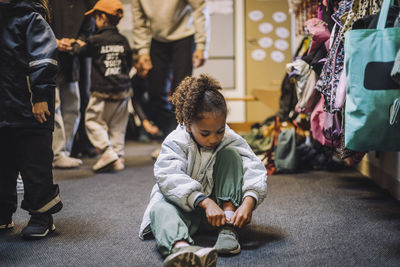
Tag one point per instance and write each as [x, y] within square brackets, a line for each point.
[107, 28]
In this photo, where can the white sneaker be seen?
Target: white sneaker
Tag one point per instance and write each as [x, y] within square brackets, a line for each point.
[119, 165]
[66, 162]
[106, 160]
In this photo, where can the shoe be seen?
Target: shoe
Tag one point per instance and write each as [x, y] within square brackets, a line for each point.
[227, 242]
[106, 161]
[39, 226]
[66, 162]
[192, 256]
[119, 165]
[6, 223]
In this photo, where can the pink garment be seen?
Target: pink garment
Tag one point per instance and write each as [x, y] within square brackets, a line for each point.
[319, 31]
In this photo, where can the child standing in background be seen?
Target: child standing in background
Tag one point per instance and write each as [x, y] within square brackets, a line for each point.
[207, 176]
[28, 69]
[107, 112]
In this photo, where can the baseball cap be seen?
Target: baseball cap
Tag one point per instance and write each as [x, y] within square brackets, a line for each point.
[107, 6]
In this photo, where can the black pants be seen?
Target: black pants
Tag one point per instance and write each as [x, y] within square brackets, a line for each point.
[29, 152]
[172, 62]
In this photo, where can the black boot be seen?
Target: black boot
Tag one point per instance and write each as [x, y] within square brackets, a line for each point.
[39, 226]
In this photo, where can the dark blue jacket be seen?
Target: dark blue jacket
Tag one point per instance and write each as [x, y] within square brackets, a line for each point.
[28, 64]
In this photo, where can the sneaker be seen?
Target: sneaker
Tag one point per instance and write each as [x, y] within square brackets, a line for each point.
[119, 165]
[192, 256]
[6, 223]
[39, 226]
[227, 242]
[106, 161]
[66, 162]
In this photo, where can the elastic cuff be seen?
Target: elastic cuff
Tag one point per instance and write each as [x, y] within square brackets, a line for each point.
[199, 199]
[192, 198]
[200, 46]
[144, 51]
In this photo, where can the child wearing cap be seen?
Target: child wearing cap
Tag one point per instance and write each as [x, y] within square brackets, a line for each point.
[107, 112]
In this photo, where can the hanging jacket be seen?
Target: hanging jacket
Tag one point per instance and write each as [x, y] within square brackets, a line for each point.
[28, 64]
[184, 172]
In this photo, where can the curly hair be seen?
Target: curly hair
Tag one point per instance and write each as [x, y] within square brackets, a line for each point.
[195, 96]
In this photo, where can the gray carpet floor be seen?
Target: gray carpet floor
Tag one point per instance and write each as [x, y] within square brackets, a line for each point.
[308, 219]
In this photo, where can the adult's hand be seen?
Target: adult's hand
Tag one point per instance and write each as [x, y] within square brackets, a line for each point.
[64, 44]
[40, 110]
[144, 65]
[199, 58]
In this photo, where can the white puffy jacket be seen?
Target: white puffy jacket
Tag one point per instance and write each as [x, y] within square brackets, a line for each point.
[183, 172]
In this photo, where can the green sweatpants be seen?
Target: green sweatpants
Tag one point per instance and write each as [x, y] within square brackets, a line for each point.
[170, 223]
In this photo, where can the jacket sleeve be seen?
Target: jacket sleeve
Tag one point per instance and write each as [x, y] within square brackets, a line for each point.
[41, 52]
[170, 173]
[141, 31]
[201, 19]
[254, 172]
[87, 29]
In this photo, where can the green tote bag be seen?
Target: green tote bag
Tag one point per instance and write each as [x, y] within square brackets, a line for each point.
[370, 90]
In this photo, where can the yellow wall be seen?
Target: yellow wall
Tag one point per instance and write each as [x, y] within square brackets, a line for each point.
[264, 76]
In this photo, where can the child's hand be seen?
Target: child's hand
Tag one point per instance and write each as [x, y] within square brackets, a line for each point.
[40, 110]
[215, 215]
[244, 213]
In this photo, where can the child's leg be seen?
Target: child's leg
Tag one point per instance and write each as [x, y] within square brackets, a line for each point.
[228, 179]
[96, 126]
[8, 178]
[117, 125]
[35, 158]
[170, 224]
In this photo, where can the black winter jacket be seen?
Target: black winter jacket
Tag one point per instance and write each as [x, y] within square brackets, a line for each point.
[111, 62]
[28, 64]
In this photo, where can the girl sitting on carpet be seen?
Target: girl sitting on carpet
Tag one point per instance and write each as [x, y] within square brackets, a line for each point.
[207, 176]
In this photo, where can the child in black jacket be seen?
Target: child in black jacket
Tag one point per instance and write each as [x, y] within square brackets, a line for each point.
[107, 112]
[28, 68]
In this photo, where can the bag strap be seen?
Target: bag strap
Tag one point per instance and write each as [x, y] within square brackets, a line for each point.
[384, 13]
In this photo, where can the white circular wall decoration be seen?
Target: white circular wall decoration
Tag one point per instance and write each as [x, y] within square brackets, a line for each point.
[281, 44]
[256, 15]
[258, 54]
[265, 42]
[279, 16]
[282, 32]
[277, 56]
[265, 27]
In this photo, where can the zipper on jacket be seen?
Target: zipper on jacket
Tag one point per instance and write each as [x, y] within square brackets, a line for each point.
[29, 89]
